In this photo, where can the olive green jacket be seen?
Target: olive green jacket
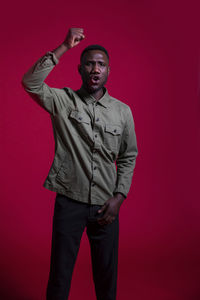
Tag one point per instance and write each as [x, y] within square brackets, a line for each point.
[95, 141]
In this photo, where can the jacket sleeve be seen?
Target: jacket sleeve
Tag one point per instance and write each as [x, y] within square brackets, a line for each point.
[126, 159]
[33, 82]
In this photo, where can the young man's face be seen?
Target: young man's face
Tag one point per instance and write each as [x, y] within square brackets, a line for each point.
[94, 70]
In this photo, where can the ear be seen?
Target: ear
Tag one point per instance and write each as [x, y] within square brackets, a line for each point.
[79, 69]
[108, 70]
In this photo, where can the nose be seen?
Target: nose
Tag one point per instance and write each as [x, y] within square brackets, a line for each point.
[95, 68]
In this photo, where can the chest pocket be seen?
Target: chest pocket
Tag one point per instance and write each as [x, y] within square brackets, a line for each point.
[80, 123]
[112, 136]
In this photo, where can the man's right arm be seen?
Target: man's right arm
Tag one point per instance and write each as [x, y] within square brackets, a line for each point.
[73, 38]
[33, 80]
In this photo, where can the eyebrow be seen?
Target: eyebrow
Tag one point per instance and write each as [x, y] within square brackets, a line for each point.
[92, 60]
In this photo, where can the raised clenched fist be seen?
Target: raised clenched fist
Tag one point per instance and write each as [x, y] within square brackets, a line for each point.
[74, 36]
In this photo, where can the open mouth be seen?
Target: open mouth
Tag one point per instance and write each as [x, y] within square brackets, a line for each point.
[94, 79]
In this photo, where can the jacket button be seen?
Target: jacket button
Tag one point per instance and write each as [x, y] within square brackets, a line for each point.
[93, 184]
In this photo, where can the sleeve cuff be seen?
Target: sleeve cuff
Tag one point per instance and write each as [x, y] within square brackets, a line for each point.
[118, 191]
[54, 58]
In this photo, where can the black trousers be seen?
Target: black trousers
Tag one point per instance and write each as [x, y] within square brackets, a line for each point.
[69, 221]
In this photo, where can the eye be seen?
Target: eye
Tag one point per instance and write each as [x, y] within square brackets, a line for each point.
[102, 63]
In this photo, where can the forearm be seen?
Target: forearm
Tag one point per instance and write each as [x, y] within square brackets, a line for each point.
[124, 177]
[34, 85]
[60, 50]
[126, 157]
[33, 79]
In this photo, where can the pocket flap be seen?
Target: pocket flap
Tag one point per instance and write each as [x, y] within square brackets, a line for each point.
[113, 129]
[79, 117]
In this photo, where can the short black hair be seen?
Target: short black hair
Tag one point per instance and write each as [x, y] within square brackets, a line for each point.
[94, 47]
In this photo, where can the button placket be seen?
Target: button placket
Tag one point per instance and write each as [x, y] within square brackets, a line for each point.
[94, 152]
[94, 127]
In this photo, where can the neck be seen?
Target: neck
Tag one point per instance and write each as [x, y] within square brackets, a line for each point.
[96, 94]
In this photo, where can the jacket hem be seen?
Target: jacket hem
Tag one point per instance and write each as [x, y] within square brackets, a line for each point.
[80, 197]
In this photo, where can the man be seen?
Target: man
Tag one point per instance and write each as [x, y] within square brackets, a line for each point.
[92, 132]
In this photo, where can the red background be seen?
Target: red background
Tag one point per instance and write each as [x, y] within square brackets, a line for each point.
[154, 50]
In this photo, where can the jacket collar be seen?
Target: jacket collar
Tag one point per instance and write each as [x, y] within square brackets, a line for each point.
[104, 100]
